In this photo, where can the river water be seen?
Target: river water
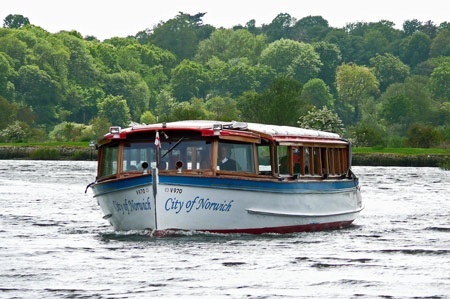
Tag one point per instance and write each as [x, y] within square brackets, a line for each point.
[55, 244]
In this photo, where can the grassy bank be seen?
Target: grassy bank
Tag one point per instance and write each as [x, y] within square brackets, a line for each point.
[48, 151]
[400, 151]
[417, 157]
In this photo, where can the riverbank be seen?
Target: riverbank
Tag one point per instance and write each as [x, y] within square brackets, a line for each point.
[58, 152]
[84, 152]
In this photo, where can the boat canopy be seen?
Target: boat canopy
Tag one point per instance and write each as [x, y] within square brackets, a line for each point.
[281, 134]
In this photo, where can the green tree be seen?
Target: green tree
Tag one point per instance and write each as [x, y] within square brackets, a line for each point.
[37, 89]
[14, 48]
[7, 73]
[330, 56]
[317, 93]
[281, 102]
[193, 109]
[440, 82]
[279, 27]
[411, 101]
[415, 48]
[16, 131]
[236, 76]
[189, 79]
[81, 65]
[15, 21]
[288, 57]
[115, 110]
[388, 69]
[227, 44]
[148, 118]
[223, 108]
[354, 84]
[440, 46]
[131, 87]
[100, 126]
[321, 119]
[310, 29]
[165, 103]
[8, 112]
[178, 35]
[422, 136]
[411, 26]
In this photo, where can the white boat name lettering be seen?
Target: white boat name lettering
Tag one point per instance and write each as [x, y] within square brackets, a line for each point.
[130, 206]
[199, 204]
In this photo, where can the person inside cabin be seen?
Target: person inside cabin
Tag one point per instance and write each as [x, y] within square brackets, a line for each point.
[205, 160]
[224, 159]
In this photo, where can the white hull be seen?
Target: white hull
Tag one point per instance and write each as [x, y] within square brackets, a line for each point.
[225, 209]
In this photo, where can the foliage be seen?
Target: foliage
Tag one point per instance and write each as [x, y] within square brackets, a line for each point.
[388, 69]
[297, 60]
[321, 119]
[226, 44]
[147, 118]
[15, 21]
[15, 132]
[440, 82]
[423, 136]
[115, 110]
[223, 108]
[281, 102]
[317, 93]
[189, 79]
[368, 134]
[354, 84]
[184, 68]
[69, 131]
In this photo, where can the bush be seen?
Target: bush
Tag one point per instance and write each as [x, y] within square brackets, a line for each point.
[424, 136]
[17, 131]
[68, 131]
[368, 135]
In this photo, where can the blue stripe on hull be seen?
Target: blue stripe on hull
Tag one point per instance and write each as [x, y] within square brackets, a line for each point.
[227, 183]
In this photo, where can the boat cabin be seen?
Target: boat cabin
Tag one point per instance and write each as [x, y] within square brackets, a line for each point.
[206, 148]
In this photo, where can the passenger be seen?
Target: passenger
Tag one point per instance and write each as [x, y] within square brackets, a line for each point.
[225, 161]
[205, 161]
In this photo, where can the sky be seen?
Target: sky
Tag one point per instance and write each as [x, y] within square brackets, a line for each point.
[110, 18]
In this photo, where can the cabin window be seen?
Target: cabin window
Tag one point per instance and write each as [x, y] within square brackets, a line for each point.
[283, 160]
[264, 165]
[109, 162]
[193, 155]
[235, 157]
[134, 154]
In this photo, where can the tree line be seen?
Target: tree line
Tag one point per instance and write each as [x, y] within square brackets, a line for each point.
[374, 84]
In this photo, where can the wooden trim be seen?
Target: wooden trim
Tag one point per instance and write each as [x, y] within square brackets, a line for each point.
[319, 160]
[311, 161]
[302, 164]
[214, 155]
[313, 144]
[326, 166]
[255, 159]
[291, 160]
[120, 159]
[240, 138]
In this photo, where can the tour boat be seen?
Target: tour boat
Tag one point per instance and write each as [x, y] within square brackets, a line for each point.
[225, 177]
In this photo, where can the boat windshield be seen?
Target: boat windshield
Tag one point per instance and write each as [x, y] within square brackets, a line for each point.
[134, 154]
[236, 157]
[109, 160]
[194, 154]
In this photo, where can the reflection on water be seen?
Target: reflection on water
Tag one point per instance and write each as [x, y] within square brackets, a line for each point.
[54, 243]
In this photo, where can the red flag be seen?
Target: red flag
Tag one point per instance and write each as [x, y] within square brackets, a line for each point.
[157, 141]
